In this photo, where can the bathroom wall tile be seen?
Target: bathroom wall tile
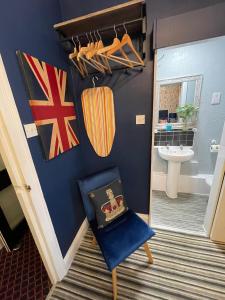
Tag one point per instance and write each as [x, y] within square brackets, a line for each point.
[169, 138]
[157, 137]
[169, 133]
[190, 137]
[175, 137]
[176, 143]
[163, 137]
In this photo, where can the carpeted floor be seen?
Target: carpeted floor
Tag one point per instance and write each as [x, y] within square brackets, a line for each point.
[22, 273]
[185, 267]
[185, 213]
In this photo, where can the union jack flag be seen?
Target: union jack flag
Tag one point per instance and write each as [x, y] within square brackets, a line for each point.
[54, 110]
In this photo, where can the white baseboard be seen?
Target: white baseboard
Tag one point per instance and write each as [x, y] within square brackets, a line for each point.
[187, 184]
[76, 244]
[184, 231]
[144, 217]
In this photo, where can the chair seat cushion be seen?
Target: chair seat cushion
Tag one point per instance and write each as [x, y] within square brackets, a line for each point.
[121, 238]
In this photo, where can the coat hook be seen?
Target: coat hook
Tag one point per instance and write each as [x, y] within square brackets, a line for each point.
[91, 37]
[115, 30]
[73, 42]
[99, 35]
[78, 41]
[95, 36]
[124, 27]
[93, 80]
[87, 38]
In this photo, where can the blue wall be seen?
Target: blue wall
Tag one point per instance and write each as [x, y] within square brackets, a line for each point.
[27, 25]
[133, 95]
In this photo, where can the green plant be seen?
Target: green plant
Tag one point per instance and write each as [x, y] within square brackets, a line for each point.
[186, 112]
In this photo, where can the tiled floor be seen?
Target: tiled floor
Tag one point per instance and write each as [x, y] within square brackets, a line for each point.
[22, 273]
[186, 213]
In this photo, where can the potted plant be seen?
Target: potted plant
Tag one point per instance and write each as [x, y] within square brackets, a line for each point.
[186, 112]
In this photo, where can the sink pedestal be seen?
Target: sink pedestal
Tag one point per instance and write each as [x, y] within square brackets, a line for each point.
[175, 156]
[173, 178]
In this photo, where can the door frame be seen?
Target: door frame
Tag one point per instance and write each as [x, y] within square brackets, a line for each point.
[154, 118]
[219, 169]
[17, 158]
[215, 190]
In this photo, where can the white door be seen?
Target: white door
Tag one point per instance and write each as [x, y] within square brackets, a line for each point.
[216, 186]
[19, 164]
[218, 228]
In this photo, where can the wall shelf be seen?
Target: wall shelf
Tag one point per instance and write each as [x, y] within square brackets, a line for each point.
[131, 13]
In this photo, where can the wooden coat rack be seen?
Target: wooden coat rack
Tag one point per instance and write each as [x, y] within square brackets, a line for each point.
[131, 13]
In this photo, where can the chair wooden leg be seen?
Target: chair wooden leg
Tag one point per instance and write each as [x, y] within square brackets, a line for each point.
[94, 242]
[148, 252]
[114, 283]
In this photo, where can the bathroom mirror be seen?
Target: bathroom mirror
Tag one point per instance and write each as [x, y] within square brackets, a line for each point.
[174, 92]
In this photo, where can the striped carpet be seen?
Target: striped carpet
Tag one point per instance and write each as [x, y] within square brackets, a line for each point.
[185, 267]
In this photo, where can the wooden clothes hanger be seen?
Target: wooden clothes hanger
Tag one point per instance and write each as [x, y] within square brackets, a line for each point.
[83, 50]
[126, 40]
[78, 64]
[96, 55]
[92, 54]
[116, 43]
[82, 53]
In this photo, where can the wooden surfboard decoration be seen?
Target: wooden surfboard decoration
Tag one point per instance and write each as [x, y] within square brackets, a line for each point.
[99, 118]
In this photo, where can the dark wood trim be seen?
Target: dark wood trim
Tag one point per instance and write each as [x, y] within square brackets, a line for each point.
[192, 26]
[107, 17]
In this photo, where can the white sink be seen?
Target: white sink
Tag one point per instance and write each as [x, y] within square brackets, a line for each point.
[175, 155]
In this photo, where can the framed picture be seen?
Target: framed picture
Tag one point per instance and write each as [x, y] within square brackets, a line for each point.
[51, 105]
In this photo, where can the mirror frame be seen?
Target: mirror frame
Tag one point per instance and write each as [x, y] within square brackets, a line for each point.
[197, 95]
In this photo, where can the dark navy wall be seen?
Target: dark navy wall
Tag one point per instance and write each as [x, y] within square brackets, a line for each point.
[133, 95]
[27, 25]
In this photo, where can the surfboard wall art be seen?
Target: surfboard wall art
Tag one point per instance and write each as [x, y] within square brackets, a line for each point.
[99, 118]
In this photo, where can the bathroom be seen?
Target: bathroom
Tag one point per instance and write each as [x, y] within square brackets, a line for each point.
[188, 120]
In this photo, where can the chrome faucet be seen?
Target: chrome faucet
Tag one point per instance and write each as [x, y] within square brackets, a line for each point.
[167, 146]
[181, 147]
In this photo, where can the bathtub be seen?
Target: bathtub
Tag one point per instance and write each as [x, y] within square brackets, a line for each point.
[193, 184]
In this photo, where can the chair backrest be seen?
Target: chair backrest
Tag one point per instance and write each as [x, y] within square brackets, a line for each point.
[93, 182]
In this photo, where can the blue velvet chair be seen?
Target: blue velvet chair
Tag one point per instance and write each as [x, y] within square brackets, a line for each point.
[123, 236]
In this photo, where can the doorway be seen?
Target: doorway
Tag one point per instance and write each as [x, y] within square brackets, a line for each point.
[20, 167]
[188, 119]
[23, 275]
[12, 222]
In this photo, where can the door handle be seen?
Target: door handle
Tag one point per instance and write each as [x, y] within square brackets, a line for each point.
[26, 186]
